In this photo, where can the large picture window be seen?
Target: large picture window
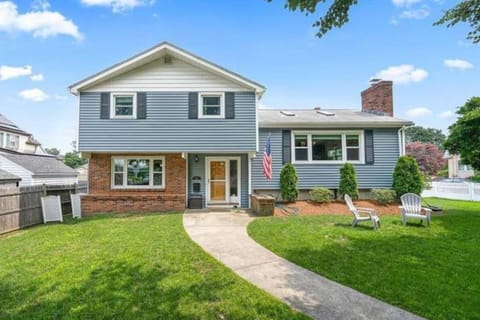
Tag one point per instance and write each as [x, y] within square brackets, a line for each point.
[138, 172]
[328, 147]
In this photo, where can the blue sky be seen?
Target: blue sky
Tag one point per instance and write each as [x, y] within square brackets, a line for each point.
[46, 46]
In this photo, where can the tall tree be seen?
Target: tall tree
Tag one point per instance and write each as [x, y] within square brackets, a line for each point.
[338, 12]
[425, 135]
[464, 137]
[73, 158]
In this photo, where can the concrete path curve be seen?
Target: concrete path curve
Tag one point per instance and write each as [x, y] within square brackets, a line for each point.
[224, 236]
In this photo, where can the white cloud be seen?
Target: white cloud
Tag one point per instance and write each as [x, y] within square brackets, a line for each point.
[37, 77]
[418, 112]
[405, 3]
[457, 64]
[447, 114]
[118, 5]
[35, 95]
[402, 74]
[40, 5]
[417, 14]
[41, 23]
[7, 72]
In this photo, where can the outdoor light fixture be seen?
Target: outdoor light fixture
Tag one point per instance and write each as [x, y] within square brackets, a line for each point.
[195, 158]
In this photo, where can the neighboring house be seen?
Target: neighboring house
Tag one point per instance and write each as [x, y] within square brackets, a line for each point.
[34, 169]
[82, 172]
[16, 139]
[8, 180]
[456, 169]
[166, 124]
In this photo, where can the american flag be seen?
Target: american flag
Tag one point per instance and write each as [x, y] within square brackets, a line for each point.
[267, 160]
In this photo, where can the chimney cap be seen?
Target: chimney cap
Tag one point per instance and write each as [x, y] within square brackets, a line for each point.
[375, 80]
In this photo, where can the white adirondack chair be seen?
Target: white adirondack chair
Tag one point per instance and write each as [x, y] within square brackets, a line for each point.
[371, 214]
[412, 208]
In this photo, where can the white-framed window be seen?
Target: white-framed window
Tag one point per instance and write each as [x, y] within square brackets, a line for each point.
[123, 105]
[211, 105]
[2, 137]
[328, 146]
[138, 172]
[12, 141]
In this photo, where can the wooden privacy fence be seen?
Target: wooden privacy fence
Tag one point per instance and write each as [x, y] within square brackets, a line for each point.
[22, 207]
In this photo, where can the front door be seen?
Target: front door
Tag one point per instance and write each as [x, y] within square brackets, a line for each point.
[223, 181]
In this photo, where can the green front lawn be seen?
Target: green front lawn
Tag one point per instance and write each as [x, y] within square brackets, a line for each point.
[122, 267]
[433, 272]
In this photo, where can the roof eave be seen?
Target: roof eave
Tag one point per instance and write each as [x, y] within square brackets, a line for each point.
[116, 68]
[305, 125]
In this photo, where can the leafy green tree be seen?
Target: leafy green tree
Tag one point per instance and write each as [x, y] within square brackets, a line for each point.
[338, 12]
[407, 177]
[348, 181]
[464, 137]
[73, 158]
[425, 135]
[288, 183]
[52, 151]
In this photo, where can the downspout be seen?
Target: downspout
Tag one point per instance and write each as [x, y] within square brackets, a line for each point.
[401, 140]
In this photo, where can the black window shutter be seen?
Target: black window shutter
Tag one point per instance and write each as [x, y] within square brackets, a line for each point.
[229, 105]
[105, 105]
[369, 152]
[286, 146]
[141, 105]
[192, 105]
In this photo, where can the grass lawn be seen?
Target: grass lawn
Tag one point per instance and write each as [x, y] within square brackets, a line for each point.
[433, 272]
[122, 267]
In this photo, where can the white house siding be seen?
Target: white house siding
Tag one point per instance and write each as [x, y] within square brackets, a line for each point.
[17, 170]
[54, 180]
[158, 76]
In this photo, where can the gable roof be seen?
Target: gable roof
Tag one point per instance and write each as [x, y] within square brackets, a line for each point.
[8, 125]
[39, 165]
[329, 118]
[155, 53]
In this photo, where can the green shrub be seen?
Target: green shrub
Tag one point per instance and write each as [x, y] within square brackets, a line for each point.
[407, 177]
[321, 195]
[476, 177]
[288, 183]
[443, 173]
[383, 196]
[348, 181]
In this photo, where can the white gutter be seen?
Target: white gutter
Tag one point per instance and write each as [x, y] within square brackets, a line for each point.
[401, 140]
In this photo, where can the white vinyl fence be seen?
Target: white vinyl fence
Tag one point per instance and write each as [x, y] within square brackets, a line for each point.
[454, 190]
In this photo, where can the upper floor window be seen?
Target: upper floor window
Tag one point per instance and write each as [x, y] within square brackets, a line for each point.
[211, 105]
[123, 105]
[328, 147]
[2, 136]
[12, 141]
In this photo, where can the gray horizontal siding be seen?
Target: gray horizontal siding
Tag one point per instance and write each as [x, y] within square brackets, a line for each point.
[167, 127]
[378, 175]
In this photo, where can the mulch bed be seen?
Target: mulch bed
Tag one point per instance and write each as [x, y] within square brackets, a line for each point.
[308, 208]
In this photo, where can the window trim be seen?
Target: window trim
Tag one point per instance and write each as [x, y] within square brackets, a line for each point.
[8, 139]
[211, 94]
[125, 172]
[343, 133]
[123, 94]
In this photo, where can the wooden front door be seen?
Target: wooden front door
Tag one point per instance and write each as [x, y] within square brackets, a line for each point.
[223, 181]
[218, 181]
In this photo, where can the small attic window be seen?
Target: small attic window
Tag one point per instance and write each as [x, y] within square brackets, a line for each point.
[287, 113]
[325, 113]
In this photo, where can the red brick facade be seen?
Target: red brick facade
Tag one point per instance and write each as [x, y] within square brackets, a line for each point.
[379, 98]
[102, 198]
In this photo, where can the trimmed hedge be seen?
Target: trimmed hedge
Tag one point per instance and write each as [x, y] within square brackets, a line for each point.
[383, 196]
[321, 195]
[348, 182]
[407, 177]
[288, 183]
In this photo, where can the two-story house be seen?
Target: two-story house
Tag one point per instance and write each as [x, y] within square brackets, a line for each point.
[166, 124]
[14, 138]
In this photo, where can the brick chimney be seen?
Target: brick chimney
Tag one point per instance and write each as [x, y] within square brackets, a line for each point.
[378, 98]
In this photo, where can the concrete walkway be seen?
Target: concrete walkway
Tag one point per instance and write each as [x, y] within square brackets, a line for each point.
[224, 236]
